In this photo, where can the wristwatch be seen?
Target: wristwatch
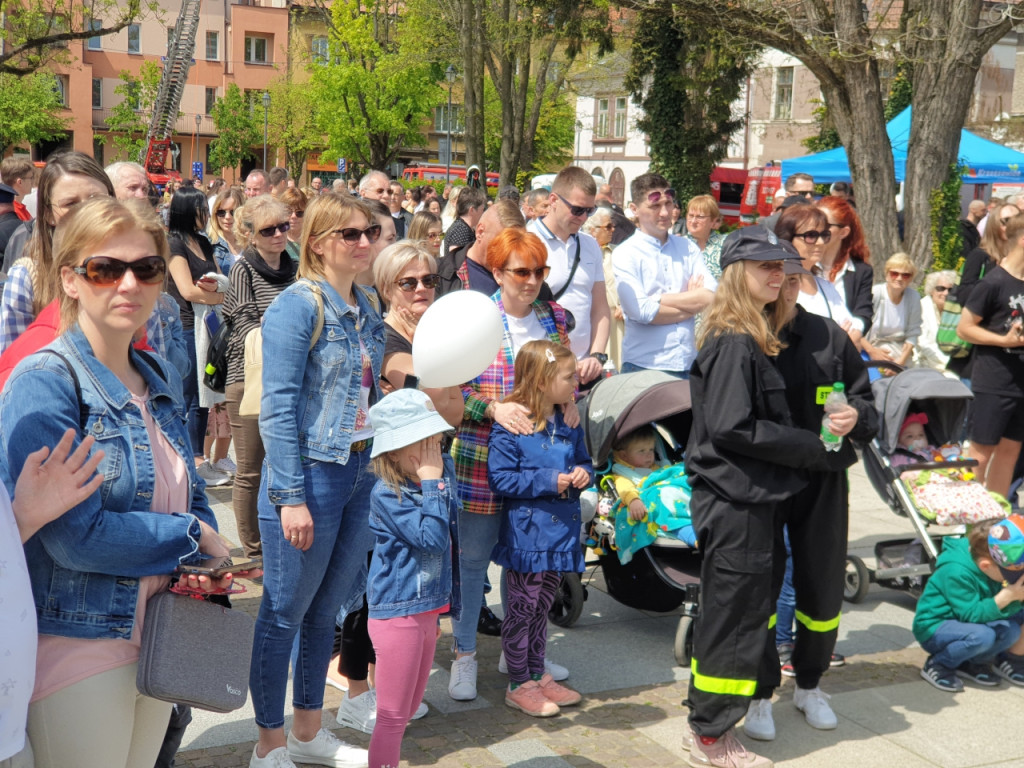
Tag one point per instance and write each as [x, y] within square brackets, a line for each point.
[601, 357]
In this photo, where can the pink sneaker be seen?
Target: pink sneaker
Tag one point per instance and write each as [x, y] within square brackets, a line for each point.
[529, 699]
[562, 695]
[724, 752]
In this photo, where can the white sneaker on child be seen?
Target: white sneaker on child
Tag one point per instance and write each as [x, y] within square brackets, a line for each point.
[462, 685]
[759, 723]
[327, 749]
[359, 712]
[813, 702]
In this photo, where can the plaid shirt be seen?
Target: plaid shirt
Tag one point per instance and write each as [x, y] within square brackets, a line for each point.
[470, 447]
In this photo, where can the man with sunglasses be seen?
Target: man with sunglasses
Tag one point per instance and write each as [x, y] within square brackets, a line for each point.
[375, 186]
[624, 228]
[662, 284]
[577, 272]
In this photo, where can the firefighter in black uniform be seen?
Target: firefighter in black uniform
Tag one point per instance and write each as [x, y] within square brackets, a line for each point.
[817, 353]
[744, 457]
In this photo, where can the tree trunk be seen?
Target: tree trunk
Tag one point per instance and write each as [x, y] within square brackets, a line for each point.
[472, 36]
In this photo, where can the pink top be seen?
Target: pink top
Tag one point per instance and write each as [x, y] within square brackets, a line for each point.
[64, 661]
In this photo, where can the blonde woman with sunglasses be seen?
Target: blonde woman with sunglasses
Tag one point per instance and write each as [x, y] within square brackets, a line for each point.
[896, 324]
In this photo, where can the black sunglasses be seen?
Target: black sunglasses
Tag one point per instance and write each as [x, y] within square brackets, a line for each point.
[298, 214]
[524, 273]
[408, 284]
[811, 236]
[577, 210]
[221, 213]
[105, 270]
[271, 231]
[352, 235]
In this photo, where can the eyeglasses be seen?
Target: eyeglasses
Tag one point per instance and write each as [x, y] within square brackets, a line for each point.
[379, 191]
[271, 231]
[222, 213]
[105, 270]
[577, 210]
[668, 196]
[812, 236]
[606, 226]
[523, 273]
[697, 217]
[352, 235]
[895, 274]
[297, 213]
[943, 288]
[408, 284]
[434, 235]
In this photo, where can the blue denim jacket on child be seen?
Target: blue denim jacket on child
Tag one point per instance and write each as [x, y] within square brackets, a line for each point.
[310, 397]
[415, 565]
[86, 565]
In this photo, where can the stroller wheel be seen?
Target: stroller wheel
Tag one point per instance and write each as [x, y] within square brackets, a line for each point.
[569, 599]
[684, 641]
[856, 580]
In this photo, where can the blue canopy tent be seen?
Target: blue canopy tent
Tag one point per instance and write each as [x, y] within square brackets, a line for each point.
[986, 161]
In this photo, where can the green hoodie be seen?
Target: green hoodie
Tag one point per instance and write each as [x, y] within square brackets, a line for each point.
[958, 590]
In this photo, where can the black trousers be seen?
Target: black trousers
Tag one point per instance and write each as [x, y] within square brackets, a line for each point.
[818, 521]
[731, 632]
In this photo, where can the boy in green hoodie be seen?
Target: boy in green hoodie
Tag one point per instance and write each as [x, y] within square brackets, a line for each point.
[970, 614]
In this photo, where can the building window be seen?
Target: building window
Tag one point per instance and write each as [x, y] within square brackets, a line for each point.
[212, 45]
[211, 99]
[60, 85]
[256, 49]
[134, 45]
[97, 93]
[457, 122]
[620, 117]
[610, 122]
[97, 150]
[602, 119]
[95, 43]
[783, 93]
[319, 49]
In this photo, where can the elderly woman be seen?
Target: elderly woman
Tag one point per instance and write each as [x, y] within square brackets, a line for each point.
[702, 222]
[296, 202]
[221, 229]
[896, 324]
[601, 227]
[518, 262]
[937, 286]
[427, 227]
[406, 276]
[263, 271]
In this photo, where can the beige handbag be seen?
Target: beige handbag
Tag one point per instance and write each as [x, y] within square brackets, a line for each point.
[250, 404]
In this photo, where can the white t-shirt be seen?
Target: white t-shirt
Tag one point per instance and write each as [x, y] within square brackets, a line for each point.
[524, 329]
[18, 634]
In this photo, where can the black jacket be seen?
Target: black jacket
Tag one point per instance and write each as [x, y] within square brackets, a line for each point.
[743, 443]
[819, 353]
[857, 285]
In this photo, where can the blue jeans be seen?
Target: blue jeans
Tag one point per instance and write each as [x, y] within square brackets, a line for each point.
[195, 415]
[477, 534]
[785, 608]
[633, 368]
[302, 591]
[955, 642]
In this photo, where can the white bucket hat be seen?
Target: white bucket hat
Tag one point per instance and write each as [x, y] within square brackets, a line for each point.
[402, 418]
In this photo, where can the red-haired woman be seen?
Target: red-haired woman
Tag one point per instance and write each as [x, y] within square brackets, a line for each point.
[846, 262]
[518, 261]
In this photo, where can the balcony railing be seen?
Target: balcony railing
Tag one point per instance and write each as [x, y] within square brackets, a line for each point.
[184, 126]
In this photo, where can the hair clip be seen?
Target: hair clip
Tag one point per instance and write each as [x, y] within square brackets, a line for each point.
[549, 355]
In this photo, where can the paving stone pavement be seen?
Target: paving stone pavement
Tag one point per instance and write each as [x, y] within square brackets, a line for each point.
[621, 660]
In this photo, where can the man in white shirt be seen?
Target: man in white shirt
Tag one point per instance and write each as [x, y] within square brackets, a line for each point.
[662, 284]
[577, 273]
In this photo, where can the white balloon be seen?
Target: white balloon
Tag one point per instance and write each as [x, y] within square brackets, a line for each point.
[457, 339]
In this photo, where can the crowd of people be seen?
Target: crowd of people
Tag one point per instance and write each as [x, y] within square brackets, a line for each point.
[370, 518]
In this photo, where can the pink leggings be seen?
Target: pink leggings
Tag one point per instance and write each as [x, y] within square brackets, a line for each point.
[405, 653]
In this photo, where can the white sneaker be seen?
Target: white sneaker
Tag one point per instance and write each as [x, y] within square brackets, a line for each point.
[557, 671]
[421, 711]
[226, 465]
[359, 712]
[462, 685]
[326, 749]
[213, 477]
[759, 723]
[814, 704]
[276, 758]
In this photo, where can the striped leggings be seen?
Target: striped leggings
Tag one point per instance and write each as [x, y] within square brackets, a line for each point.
[524, 631]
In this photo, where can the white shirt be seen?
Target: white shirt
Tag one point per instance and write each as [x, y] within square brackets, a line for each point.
[18, 634]
[840, 286]
[524, 329]
[579, 296]
[644, 270]
[826, 302]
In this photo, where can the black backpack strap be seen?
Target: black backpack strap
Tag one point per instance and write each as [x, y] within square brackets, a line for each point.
[83, 411]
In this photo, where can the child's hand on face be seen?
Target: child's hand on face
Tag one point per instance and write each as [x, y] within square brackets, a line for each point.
[637, 510]
[1016, 589]
[429, 464]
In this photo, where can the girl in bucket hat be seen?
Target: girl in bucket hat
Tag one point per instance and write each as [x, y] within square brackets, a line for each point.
[414, 514]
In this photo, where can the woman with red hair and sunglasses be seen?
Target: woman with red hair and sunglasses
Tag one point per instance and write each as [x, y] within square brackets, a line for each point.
[518, 261]
[846, 261]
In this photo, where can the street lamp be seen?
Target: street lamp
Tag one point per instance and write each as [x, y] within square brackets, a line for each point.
[449, 74]
[195, 156]
[579, 130]
[266, 106]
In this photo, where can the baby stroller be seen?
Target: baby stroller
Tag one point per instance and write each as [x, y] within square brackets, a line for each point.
[905, 564]
[665, 574]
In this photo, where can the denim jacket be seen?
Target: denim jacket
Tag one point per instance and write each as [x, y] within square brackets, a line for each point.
[310, 398]
[85, 566]
[415, 566]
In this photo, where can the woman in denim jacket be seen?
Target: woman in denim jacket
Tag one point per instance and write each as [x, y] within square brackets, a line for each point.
[93, 569]
[316, 481]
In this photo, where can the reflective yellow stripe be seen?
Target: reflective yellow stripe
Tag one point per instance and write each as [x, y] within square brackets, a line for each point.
[771, 621]
[721, 684]
[817, 626]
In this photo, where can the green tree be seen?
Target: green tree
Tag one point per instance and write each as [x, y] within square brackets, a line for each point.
[238, 131]
[371, 97]
[552, 140]
[30, 109]
[128, 120]
[685, 77]
[827, 136]
[291, 125]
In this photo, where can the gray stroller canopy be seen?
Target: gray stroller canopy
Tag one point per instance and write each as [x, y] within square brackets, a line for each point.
[625, 402]
[943, 399]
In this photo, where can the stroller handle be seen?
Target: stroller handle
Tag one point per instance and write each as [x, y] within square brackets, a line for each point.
[920, 465]
[886, 365]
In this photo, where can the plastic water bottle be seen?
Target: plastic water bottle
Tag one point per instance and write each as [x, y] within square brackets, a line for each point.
[834, 402]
